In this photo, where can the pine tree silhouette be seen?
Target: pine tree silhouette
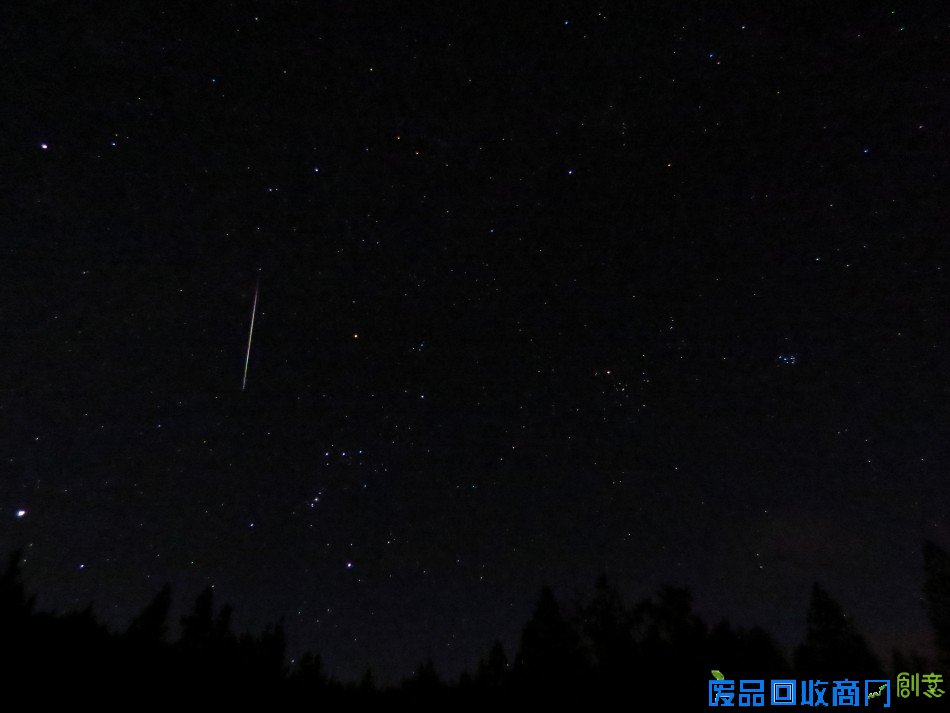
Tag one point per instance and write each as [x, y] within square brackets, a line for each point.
[549, 661]
[151, 626]
[833, 646]
[937, 596]
[492, 671]
[606, 628]
[745, 653]
[672, 647]
[658, 652]
[15, 606]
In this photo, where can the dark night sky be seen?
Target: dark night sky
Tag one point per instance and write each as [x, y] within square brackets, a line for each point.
[656, 289]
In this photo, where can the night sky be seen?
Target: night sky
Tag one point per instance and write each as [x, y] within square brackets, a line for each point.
[653, 289]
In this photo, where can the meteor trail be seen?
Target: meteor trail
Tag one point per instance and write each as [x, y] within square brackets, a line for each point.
[250, 334]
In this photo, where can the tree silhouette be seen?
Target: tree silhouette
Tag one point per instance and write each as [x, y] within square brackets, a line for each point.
[262, 657]
[549, 658]
[606, 628]
[309, 673]
[492, 671]
[832, 645]
[367, 683]
[672, 651]
[144, 655]
[15, 606]
[746, 653]
[656, 653]
[151, 625]
[197, 628]
[937, 596]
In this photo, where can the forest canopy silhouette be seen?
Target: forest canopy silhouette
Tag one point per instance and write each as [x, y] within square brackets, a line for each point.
[655, 650]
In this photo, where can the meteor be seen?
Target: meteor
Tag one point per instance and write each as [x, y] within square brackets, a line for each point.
[250, 335]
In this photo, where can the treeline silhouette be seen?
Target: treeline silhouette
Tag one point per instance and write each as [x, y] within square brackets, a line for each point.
[654, 653]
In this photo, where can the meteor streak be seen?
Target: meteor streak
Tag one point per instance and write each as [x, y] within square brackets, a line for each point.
[250, 334]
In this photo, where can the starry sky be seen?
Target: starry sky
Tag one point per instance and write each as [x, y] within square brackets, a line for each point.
[545, 290]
